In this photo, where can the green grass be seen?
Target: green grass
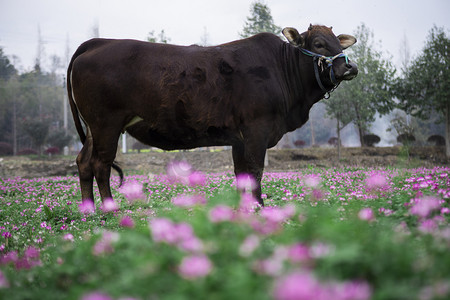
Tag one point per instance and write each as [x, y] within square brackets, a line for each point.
[398, 252]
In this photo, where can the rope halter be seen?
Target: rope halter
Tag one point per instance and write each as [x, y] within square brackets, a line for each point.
[321, 60]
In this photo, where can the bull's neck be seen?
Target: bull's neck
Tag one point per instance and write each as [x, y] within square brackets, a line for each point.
[304, 90]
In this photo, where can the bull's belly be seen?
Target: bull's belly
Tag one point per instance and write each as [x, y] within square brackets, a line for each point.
[180, 138]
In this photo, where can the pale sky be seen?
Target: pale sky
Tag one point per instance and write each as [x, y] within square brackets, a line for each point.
[184, 21]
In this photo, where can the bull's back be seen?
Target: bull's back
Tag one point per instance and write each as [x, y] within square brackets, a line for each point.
[178, 91]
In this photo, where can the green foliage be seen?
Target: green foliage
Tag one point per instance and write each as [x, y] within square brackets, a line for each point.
[37, 129]
[161, 38]
[7, 70]
[392, 250]
[260, 20]
[425, 87]
[360, 99]
[424, 90]
[28, 96]
[59, 139]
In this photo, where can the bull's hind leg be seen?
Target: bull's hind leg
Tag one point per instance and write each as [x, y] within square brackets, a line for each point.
[85, 170]
[105, 147]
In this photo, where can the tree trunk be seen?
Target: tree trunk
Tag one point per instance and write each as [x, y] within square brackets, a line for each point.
[360, 126]
[447, 130]
[338, 129]
[313, 136]
[14, 126]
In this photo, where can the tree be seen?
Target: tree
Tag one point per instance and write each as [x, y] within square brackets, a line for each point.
[7, 70]
[369, 93]
[37, 129]
[424, 89]
[260, 20]
[161, 38]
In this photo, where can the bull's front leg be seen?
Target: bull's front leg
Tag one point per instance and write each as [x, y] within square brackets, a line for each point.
[248, 158]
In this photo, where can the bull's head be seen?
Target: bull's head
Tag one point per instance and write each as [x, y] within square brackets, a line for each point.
[320, 43]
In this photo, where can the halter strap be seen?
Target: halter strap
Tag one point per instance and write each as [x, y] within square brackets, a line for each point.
[320, 59]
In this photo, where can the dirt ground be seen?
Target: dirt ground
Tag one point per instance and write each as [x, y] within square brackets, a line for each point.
[278, 160]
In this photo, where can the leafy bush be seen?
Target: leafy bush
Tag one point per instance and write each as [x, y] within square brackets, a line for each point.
[371, 139]
[5, 149]
[406, 138]
[52, 150]
[333, 141]
[58, 139]
[437, 140]
[139, 146]
[299, 143]
[27, 151]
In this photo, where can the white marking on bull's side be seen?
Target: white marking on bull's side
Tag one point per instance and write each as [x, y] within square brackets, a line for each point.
[74, 101]
[133, 121]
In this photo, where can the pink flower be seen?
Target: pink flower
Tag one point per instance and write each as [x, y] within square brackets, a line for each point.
[132, 191]
[428, 226]
[87, 207]
[105, 244]
[248, 203]
[30, 258]
[424, 206]
[245, 182]
[96, 296]
[445, 210]
[68, 237]
[352, 290]
[195, 266]
[188, 200]
[272, 266]
[9, 257]
[191, 244]
[312, 180]
[163, 230]
[126, 221]
[197, 178]
[319, 249]
[4, 283]
[276, 214]
[249, 245]
[109, 205]
[297, 286]
[183, 231]
[317, 194]
[376, 181]
[366, 214]
[298, 253]
[221, 213]
[179, 171]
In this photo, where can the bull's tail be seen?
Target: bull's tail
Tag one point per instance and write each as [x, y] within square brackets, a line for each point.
[73, 107]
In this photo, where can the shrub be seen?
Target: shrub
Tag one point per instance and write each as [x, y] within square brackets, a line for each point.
[333, 141]
[406, 138]
[27, 151]
[300, 143]
[371, 139]
[52, 150]
[139, 146]
[437, 140]
[59, 139]
[5, 148]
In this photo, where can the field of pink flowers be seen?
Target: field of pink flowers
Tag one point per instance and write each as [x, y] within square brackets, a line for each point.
[343, 234]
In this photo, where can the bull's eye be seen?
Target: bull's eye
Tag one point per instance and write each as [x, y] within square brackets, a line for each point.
[318, 45]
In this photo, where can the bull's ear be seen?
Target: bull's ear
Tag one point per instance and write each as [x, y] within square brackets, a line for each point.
[346, 40]
[294, 37]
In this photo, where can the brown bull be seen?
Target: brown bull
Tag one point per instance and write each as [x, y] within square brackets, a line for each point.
[246, 94]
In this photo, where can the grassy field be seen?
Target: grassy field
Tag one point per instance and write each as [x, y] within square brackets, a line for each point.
[325, 233]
